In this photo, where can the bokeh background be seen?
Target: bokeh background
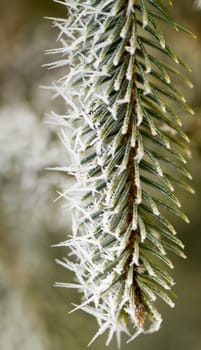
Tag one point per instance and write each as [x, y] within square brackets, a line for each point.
[34, 315]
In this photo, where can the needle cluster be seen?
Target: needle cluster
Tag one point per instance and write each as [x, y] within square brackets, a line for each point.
[128, 152]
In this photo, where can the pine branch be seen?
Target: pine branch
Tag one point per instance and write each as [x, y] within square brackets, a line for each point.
[127, 141]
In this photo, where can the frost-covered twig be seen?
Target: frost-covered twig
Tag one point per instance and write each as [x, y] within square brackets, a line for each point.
[127, 150]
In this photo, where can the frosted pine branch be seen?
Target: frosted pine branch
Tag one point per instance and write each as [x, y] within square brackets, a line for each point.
[128, 152]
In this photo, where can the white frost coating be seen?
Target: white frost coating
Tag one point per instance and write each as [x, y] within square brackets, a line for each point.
[106, 118]
[105, 311]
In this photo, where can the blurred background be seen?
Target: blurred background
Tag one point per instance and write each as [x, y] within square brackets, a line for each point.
[34, 315]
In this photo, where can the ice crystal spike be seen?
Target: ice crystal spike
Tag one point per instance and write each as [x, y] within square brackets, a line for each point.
[124, 141]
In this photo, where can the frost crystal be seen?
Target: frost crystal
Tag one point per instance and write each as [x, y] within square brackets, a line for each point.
[123, 132]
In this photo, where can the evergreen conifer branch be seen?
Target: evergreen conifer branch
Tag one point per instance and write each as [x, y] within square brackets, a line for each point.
[128, 152]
